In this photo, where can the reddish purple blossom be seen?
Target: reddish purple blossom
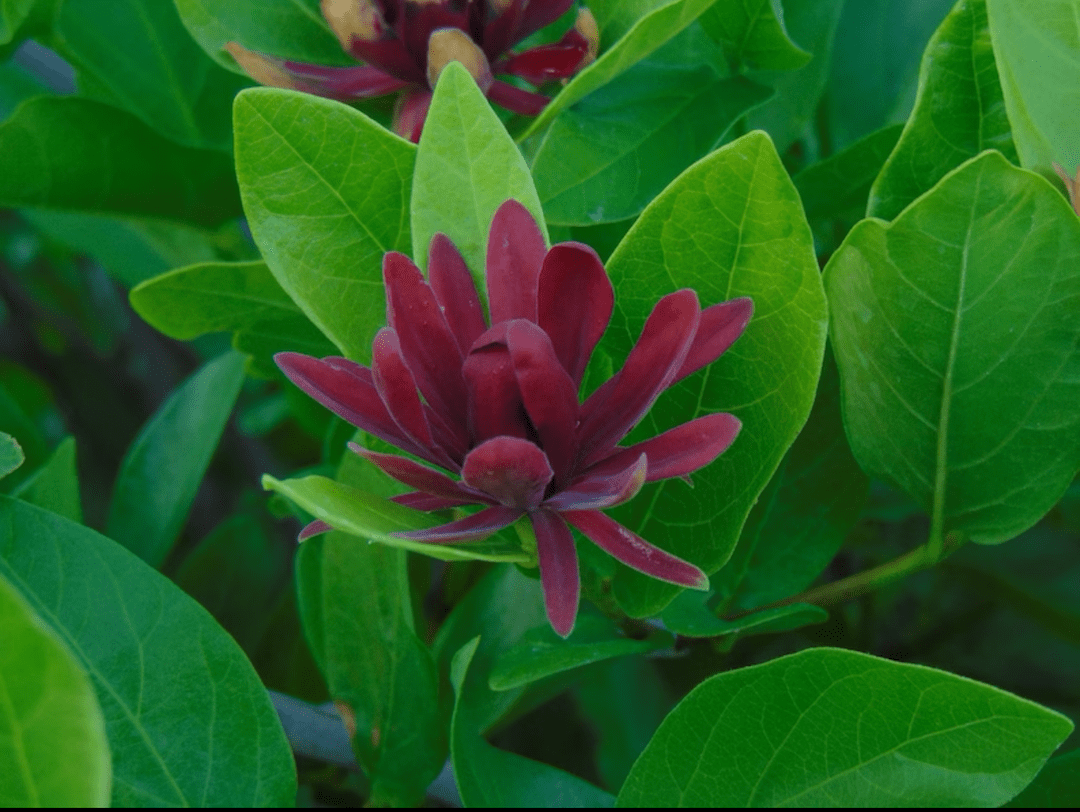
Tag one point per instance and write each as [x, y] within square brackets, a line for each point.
[497, 407]
[405, 44]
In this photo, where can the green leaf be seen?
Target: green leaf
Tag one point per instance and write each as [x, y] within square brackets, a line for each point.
[841, 182]
[323, 212]
[1057, 785]
[12, 14]
[812, 729]
[188, 722]
[164, 465]
[541, 652]
[55, 485]
[263, 339]
[53, 749]
[731, 225]
[354, 601]
[956, 337]
[959, 112]
[290, 29]
[493, 778]
[11, 454]
[1038, 56]
[375, 519]
[608, 156]
[140, 53]
[651, 30]
[752, 33]
[17, 84]
[117, 165]
[690, 616]
[810, 505]
[466, 167]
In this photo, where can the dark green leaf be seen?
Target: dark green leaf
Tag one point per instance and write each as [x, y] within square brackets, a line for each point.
[959, 112]
[55, 485]
[466, 167]
[53, 749]
[188, 722]
[828, 727]
[1057, 786]
[541, 652]
[956, 336]
[731, 225]
[842, 181]
[261, 340]
[752, 33]
[117, 164]
[690, 616]
[11, 454]
[139, 51]
[323, 212]
[12, 14]
[16, 86]
[164, 465]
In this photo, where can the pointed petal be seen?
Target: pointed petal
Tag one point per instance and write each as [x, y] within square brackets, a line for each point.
[679, 451]
[421, 477]
[544, 63]
[455, 292]
[478, 526]
[348, 391]
[513, 472]
[501, 32]
[613, 409]
[447, 45]
[494, 400]
[634, 551]
[410, 112]
[515, 254]
[717, 330]
[548, 393]
[559, 575]
[357, 82]
[537, 15]
[595, 491]
[393, 57]
[427, 344]
[313, 529]
[522, 102]
[427, 502]
[575, 300]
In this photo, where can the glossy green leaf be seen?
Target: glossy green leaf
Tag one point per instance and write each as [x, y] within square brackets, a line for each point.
[828, 727]
[1057, 785]
[803, 516]
[842, 181]
[959, 112]
[12, 14]
[164, 465]
[753, 35]
[354, 601]
[117, 165]
[144, 58]
[291, 29]
[323, 212]
[690, 616]
[26, 411]
[17, 84]
[374, 518]
[875, 64]
[493, 778]
[466, 167]
[608, 156]
[188, 722]
[956, 336]
[655, 27]
[1037, 46]
[263, 339]
[11, 454]
[731, 225]
[541, 652]
[53, 749]
[55, 485]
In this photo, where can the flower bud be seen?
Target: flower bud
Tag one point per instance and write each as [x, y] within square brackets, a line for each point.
[354, 19]
[448, 45]
[585, 24]
[258, 67]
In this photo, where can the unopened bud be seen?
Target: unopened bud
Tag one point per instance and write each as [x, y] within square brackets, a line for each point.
[258, 67]
[585, 24]
[448, 45]
[353, 19]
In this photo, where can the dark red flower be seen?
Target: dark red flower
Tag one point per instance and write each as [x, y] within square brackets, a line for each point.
[405, 44]
[498, 406]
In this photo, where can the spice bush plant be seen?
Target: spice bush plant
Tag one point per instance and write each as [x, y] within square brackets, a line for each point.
[539, 403]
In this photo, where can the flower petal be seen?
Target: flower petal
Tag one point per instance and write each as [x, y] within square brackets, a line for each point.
[425, 501]
[544, 62]
[679, 451]
[421, 477]
[346, 389]
[479, 525]
[522, 102]
[602, 489]
[634, 551]
[410, 112]
[515, 254]
[547, 392]
[717, 330]
[514, 472]
[613, 409]
[574, 303]
[356, 82]
[537, 15]
[501, 32]
[559, 575]
[313, 529]
[455, 292]
[429, 348]
[494, 400]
